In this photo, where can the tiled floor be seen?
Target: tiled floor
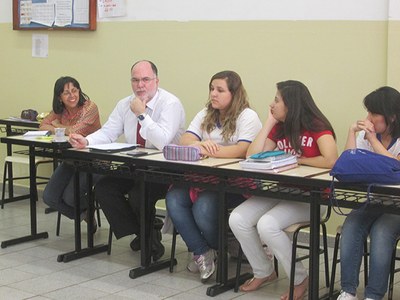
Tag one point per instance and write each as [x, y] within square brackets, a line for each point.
[31, 271]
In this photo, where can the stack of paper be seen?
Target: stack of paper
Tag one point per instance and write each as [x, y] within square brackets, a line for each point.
[37, 133]
[273, 163]
[112, 147]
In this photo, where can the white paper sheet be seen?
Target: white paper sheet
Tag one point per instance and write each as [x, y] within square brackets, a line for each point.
[81, 12]
[43, 13]
[112, 146]
[25, 12]
[63, 15]
[37, 133]
[111, 8]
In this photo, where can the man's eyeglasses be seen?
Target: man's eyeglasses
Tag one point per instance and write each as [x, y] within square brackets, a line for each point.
[145, 80]
[70, 93]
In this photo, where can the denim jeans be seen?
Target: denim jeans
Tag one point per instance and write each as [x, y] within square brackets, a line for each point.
[383, 229]
[197, 222]
[59, 191]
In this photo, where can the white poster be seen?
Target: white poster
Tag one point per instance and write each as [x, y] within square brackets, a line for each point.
[111, 8]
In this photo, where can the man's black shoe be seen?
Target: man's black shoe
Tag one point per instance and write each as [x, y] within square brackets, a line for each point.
[157, 248]
[135, 244]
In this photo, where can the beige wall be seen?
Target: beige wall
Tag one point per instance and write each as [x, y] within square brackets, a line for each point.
[340, 62]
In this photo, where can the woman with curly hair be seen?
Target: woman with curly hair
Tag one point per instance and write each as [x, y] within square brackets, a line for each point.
[224, 128]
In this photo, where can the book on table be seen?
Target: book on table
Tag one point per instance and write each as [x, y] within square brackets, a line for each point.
[273, 163]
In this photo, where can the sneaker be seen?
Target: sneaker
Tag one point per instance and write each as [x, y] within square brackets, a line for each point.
[206, 264]
[346, 296]
[192, 266]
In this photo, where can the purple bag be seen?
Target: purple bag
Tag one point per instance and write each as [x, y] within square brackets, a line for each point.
[184, 153]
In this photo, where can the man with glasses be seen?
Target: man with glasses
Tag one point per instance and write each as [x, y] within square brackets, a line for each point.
[151, 117]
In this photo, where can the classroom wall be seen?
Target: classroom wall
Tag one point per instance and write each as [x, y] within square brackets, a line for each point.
[341, 56]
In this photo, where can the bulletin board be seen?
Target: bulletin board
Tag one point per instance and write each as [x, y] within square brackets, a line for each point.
[54, 14]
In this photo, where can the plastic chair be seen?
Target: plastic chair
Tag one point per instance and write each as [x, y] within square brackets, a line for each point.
[8, 178]
[295, 230]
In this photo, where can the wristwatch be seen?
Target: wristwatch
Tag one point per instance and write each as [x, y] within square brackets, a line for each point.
[141, 116]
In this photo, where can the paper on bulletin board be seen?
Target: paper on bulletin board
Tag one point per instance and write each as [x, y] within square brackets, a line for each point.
[25, 12]
[111, 8]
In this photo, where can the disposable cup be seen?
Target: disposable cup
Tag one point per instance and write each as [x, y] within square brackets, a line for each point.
[59, 135]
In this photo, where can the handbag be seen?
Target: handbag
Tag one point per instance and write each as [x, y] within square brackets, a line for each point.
[366, 167]
[29, 114]
[184, 153]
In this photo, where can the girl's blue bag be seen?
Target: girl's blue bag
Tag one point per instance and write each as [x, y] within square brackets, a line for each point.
[363, 166]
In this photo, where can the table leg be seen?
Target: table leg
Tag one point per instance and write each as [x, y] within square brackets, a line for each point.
[315, 216]
[90, 250]
[147, 266]
[33, 198]
[223, 283]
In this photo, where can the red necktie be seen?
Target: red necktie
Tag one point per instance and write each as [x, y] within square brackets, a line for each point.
[139, 139]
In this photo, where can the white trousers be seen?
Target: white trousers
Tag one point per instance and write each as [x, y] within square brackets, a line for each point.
[259, 221]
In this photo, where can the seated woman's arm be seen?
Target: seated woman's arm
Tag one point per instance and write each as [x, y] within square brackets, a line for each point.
[212, 149]
[329, 154]
[46, 123]
[232, 151]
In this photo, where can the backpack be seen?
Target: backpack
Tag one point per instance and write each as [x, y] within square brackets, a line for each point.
[365, 167]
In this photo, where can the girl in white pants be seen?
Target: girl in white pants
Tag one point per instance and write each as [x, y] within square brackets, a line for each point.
[297, 126]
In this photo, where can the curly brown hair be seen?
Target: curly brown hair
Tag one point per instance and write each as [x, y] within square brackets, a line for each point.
[239, 102]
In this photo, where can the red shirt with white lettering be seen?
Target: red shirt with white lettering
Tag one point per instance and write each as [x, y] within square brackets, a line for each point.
[309, 146]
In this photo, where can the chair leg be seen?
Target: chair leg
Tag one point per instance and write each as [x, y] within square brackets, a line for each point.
[173, 248]
[276, 266]
[58, 224]
[293, 264]
[110, 233]
[326, 258]
[97, 208]
[4, 185]
[365, 263]
[334, 263]
[392, 271]
[10, 180]
[238, 269]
